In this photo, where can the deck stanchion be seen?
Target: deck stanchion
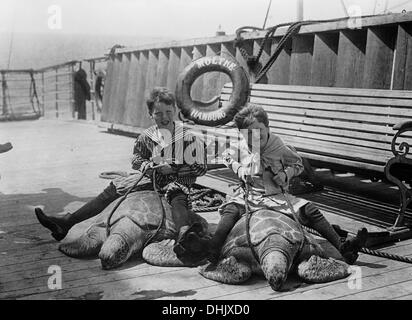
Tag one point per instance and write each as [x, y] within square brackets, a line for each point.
[93, 93]
[4, 92]
[42, 94]
[71, 90]
[57, 93]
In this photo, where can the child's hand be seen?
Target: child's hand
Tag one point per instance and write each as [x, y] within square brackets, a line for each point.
[227, 158]
[165, 169]
[244, 175]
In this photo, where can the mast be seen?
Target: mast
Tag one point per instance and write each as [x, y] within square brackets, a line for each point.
[299, 13]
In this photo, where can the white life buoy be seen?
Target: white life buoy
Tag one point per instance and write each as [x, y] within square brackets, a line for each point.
[195, 110]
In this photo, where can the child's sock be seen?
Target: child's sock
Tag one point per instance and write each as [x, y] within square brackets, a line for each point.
[180, 211]
[317, 221]
[230, 216]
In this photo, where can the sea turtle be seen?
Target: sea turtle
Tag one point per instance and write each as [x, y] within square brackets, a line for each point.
[277, 241]
[134, 222]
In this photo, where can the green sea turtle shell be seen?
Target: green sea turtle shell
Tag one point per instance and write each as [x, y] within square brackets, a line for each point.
[144, 208]
[264, 223]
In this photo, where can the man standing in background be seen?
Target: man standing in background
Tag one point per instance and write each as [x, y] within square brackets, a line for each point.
[81, 93]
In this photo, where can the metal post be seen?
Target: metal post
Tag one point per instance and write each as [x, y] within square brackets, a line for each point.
[267, 14]
[57, 93]
[71, 97]
[300, 14]
[42, 93]
[4, 91]
[92, 93]
[344, 8]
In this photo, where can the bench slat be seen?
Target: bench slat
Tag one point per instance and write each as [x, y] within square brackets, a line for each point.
[375, 93]
[329, 138]
[343, 162]
[331, 123]
[356, 100]
[337, 99]
[331, 131]
[370, 93]
[337, 150]
[364, 109]
[363, 118]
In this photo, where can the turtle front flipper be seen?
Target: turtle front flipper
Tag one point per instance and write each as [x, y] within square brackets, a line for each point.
[320, 270]
[126, 238]
[161, 254]
[228, 270]
[88, 245]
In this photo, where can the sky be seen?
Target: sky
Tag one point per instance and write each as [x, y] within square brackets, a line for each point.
[170, 18]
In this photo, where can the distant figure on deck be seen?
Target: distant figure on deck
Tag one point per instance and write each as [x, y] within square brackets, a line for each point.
[81, 93]
[98, 88]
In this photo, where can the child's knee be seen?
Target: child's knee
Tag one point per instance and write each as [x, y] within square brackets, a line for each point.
[177, 197]
[309, 214]
[232, 211]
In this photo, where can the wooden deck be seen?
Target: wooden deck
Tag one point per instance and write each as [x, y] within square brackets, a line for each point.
[55, 165]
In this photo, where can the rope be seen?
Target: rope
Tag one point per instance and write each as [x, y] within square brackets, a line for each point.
[33, 94]
[294, 27]
[163, 212]
[267, 14]
[110, 175]
[248, 217]
[295, 217]
[368, 251]
[293, 30]
[205, 209]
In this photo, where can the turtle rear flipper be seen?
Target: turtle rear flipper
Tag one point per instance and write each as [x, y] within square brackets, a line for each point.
[320, 270]
[229, 271]
[88, 245]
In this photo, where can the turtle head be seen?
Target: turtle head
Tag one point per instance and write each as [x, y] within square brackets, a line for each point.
[192, 244]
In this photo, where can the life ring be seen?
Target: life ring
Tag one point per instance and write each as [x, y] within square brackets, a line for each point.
[195, 110]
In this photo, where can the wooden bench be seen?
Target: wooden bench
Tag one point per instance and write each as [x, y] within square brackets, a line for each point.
[355, 130]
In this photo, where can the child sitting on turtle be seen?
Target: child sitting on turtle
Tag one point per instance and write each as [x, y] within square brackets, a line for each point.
[269, 173]
[166, 139]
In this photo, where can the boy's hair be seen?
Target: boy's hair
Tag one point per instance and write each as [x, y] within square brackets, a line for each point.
[249, 114]
[160, 94]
